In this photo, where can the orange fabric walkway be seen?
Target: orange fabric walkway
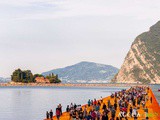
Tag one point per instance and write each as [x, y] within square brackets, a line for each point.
[153, 108]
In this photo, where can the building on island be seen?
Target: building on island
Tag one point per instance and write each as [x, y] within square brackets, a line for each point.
[41, 80]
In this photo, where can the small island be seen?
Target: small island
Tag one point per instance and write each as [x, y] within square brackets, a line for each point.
[26, 76]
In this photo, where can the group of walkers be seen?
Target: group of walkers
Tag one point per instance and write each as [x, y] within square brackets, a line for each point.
[120, 106]
[49, 115]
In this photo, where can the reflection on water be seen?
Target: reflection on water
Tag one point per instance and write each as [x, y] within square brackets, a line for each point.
[31, 103]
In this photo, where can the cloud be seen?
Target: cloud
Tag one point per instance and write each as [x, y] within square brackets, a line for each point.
[51, 9]
[27, 9]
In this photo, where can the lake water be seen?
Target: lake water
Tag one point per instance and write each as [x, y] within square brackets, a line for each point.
[31, 103]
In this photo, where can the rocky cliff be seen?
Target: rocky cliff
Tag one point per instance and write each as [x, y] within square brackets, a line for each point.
[142, 63]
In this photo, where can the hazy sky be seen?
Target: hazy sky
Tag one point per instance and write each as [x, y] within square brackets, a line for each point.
[41, 35]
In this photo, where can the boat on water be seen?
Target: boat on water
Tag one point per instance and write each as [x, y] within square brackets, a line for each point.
[158, 90]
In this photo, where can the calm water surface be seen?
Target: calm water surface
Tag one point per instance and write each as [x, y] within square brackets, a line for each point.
[31, 103]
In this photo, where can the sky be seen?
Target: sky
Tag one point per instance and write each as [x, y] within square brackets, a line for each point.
[41, 35]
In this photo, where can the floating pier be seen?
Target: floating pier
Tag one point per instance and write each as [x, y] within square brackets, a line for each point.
[153, 109]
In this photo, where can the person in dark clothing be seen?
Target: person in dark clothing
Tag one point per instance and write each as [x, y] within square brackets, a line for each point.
[130, 111]
[151, 99]
[74, 115]
[80, 115]
[138, 103]
[75, 106]
[67, 109]
[104, 106]
[47, 115]
[107, 118]
[113, 113]
[109, 103]
[51, 114]
[115, 106]
[104, 116]
[89, 117]
[89, 102]
[134, 103]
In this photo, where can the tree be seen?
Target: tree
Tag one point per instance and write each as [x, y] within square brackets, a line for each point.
[53, 78]
[22, 76]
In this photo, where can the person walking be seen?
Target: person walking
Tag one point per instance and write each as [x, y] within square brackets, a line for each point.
[146, 112]
[130, 111]
[74, 115]
[98, 115]
[51, 114]
[67, 109]
[135, 113]
[89, 102]
[151, 99]
[93, 115]
[113, 113]
[60, 108]
[47, 115]
[109, 103]
[115, 106]
[104, 106]
[104, 116]
[58, 113]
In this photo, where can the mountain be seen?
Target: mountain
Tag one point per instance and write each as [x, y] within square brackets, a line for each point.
[142, 63]
[85, 72]
[4, 80]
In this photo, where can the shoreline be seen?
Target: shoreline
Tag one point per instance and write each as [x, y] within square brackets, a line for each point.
[72, 85]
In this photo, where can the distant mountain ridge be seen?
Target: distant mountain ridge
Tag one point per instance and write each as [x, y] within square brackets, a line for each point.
[4, 80]
[85, 72]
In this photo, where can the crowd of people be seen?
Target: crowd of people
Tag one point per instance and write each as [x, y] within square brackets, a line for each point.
[121, 105]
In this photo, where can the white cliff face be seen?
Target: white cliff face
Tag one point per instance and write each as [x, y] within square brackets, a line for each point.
[142, 62]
